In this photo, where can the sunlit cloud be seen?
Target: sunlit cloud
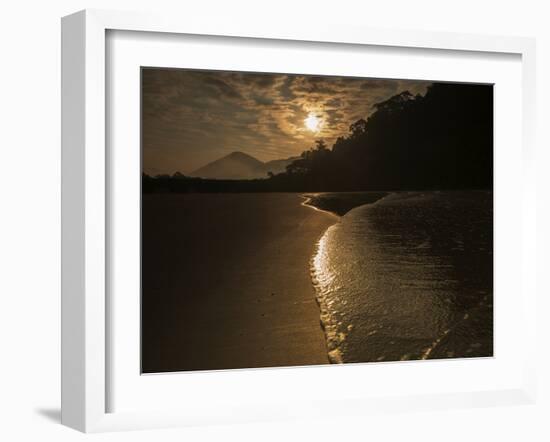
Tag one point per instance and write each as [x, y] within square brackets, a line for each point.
[190, 118]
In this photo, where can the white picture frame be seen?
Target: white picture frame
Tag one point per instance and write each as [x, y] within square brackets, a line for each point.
[86, 353]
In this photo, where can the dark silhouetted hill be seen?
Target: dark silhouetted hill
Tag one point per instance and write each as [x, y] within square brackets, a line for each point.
[238, 166]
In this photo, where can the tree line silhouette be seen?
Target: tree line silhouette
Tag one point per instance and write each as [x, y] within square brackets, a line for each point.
[441, 140]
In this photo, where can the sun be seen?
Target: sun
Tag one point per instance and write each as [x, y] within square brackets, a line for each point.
[312, 123]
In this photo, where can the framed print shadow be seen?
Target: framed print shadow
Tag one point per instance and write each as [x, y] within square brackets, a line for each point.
[261, 225]
[304, 220]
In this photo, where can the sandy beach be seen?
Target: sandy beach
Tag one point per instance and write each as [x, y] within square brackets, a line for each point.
[226, 282]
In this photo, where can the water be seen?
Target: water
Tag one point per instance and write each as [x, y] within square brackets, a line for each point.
[408, 277]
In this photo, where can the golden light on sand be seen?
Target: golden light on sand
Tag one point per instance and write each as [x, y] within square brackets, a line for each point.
[312, 123]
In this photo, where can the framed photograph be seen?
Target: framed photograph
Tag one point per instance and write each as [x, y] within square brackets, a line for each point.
[264, 224]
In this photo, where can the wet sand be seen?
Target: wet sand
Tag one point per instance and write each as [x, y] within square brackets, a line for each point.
[226, 282]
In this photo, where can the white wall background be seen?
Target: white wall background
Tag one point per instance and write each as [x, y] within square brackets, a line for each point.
[30, 214]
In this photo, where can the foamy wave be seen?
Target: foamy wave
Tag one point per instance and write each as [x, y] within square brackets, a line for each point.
[334, 337]
[402, 278]
[323, 282]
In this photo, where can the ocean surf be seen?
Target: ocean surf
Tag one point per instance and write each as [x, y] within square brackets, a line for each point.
[406, 275]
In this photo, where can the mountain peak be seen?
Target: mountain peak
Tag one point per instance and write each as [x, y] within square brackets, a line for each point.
[238, 166]
[238, 153]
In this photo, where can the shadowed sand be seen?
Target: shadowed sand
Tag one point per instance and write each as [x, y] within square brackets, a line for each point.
[226, 282]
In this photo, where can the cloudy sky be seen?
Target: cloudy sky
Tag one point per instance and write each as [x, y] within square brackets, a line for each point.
[190, 118]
